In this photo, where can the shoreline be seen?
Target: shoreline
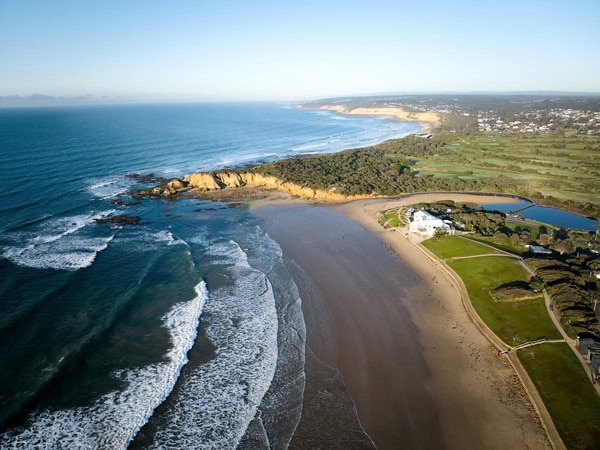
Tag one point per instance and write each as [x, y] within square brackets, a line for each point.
[429, 120]
[472, 392]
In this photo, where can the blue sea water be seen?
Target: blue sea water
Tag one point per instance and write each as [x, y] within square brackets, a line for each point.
[173, 334]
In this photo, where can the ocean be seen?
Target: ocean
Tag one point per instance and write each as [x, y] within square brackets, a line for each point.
[183, 332]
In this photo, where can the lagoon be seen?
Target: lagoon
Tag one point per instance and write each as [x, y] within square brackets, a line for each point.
[550, 216]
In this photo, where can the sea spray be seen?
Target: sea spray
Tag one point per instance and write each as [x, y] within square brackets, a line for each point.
[64, 243]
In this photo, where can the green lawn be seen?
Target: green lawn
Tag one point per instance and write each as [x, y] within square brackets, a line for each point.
[456, 246]
[513, 322]
[389, 218]
[567, 393]
[518, 249]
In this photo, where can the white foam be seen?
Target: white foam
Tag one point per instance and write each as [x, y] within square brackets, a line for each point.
[214, 406]
[58, 243]
[170, 170]
[116, 417]
[72, 255]
[302, 148]
[107, 188]
[162, 236]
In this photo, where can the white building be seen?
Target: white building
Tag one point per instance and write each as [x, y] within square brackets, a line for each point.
[425, 223]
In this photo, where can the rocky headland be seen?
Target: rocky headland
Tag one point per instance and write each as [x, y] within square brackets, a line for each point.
[206, 182]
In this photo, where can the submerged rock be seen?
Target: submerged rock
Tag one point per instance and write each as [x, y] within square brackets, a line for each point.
[121, 220]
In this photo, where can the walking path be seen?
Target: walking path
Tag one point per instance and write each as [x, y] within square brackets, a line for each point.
[510, 352]
[537, 342]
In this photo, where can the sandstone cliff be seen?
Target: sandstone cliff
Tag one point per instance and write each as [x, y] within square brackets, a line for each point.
[213, 181]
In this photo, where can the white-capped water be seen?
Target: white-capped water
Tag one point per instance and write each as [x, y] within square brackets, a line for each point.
[62, 168]
[112, 422]
[110, 187]
[64, 243]
[216, 401]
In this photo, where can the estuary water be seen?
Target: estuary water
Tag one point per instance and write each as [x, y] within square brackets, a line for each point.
[545, 214]
[177, 333]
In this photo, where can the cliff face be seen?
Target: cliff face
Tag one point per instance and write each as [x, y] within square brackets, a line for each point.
[212, 181]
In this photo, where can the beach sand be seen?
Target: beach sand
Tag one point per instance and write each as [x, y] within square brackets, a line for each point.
[420, 372]
[429, 119]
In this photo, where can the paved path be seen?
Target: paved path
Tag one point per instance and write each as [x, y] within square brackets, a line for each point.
[537, 342]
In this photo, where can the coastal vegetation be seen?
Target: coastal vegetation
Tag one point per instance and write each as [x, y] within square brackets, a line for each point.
[391, 218]
[567, 272]
[573, 289]
[554, 169]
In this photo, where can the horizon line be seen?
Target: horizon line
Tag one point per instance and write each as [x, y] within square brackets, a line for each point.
[37, 99]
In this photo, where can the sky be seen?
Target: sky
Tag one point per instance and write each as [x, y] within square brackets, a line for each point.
[222, 50]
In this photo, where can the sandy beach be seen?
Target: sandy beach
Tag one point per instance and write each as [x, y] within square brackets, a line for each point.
[429, 119]
[420, 372]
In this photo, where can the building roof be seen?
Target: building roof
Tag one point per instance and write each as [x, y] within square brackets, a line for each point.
[540, 250]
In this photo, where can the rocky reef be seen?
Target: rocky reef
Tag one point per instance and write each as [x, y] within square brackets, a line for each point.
[121, 220]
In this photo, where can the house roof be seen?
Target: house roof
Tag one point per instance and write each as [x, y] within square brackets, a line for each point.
[539, 249]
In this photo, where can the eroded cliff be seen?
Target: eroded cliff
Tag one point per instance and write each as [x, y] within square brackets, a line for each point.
[214, 181]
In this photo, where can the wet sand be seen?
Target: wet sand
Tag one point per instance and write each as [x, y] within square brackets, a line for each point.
[419, 371]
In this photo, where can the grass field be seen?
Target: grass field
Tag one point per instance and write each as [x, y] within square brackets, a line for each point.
[518, 249]
[513, 322]
[456, 246]
[562, 166]
[567, 393]
[389, 218]
[554, 369]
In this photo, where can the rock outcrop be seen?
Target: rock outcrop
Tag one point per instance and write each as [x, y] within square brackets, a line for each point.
[214, 181]
[121, 220]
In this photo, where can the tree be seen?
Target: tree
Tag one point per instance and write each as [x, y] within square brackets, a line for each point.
[544, 239]
[438, 233]
[565, 246]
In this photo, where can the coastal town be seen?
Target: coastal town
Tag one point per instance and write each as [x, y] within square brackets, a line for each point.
[538, 121]
[501, 113]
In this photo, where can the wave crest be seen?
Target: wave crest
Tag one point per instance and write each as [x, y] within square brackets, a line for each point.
[117, 417]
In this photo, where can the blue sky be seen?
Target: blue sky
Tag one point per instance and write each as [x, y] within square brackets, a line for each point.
[278, 50]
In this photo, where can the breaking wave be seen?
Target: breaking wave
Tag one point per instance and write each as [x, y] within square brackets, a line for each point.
[64, 243]
[217, 400]
[114, 420]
